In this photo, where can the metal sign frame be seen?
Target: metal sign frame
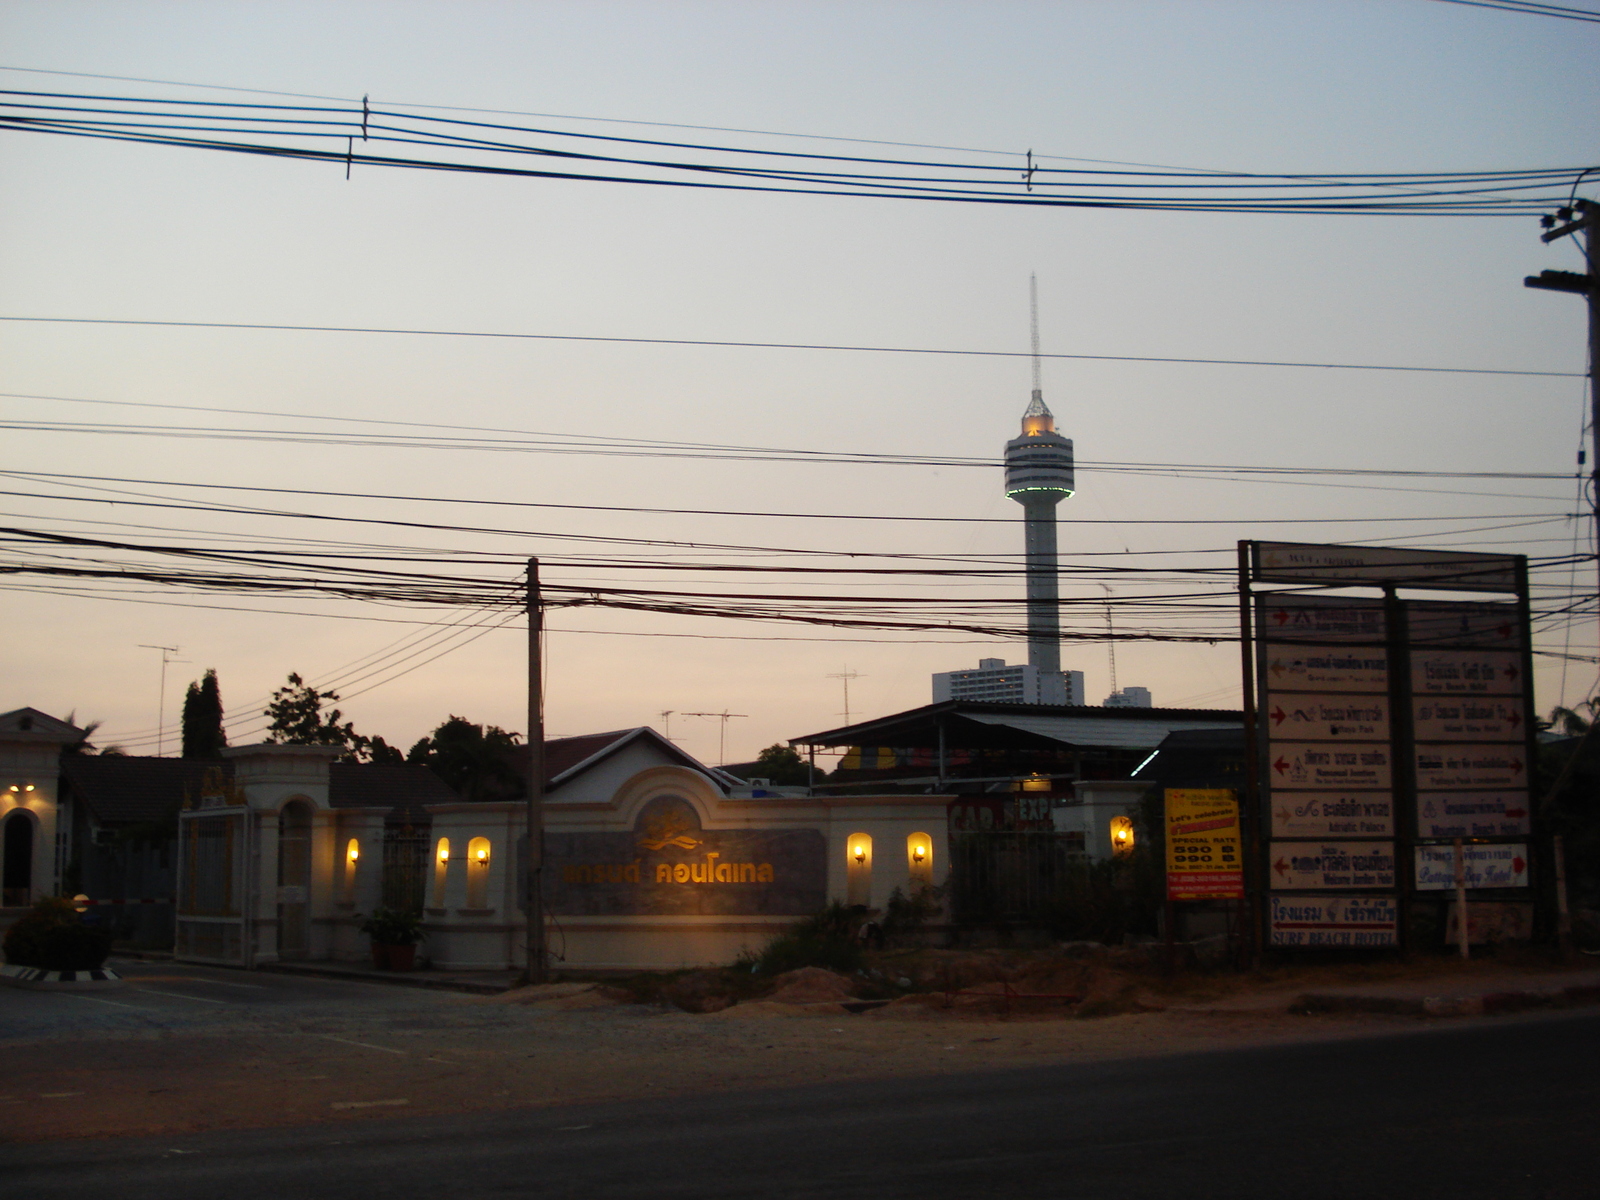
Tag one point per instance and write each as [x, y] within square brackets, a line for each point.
[1368, 727]
[215, 886]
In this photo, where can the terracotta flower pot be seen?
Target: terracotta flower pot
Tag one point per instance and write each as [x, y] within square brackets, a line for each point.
[401, 958]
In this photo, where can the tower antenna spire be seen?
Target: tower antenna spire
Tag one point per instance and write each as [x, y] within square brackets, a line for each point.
[1033, 308]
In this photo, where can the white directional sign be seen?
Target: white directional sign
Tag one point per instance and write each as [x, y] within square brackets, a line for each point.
[1314, 619]
[1468, 719]
[1327, 668]
[1466, 673]
[1464, 767]
[1500, 866]
[1332, 814]
[1341, 717]
[1459, 571]
[1295, 866]
[1432, 624]
[1314, 766]
[1338, 921]
[1472, 814]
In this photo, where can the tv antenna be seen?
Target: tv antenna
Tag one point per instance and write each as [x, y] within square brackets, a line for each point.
[1111, 640]
[1033, 309]
[161, 702]
[845, 677]
[666, 723]
[722, 741]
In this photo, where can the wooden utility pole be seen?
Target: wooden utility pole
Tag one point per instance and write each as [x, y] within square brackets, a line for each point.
[538, 957]
[1580, 218]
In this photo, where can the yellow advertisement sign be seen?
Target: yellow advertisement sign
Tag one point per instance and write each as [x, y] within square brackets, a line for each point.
[1204, 858]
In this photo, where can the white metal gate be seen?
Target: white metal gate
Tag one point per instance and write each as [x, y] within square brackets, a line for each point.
[213, 887]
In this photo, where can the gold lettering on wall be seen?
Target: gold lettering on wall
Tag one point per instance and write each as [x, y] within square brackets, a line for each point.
[707, 870]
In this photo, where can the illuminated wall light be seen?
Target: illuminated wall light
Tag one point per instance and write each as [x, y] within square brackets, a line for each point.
[354, 851]
[1121, 836]
[444, 850]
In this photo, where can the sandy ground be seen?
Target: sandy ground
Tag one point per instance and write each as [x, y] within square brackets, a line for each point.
[546, 1054]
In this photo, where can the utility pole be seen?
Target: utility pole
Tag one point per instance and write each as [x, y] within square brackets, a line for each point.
[846, 676]
[722, 741]
[538, 958]
[161, 701]
[1580, 218]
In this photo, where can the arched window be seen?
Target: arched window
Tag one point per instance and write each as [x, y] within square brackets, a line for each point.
[858, 869]
[441, 871]
[919, 860]
[478, 873]
[18, 861]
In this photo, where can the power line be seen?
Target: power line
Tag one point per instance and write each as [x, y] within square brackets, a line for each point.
[717, 343]
[1532, 10]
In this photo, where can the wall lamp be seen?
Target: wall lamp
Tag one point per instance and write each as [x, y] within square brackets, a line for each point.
[354, 852]
[22, 787]
[861, 853]
[918, 853]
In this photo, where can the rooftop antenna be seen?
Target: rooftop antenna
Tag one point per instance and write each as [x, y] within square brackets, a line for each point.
[1033, 306]
[846, 676]
[666, 723]
[722, 741]
[161, 702]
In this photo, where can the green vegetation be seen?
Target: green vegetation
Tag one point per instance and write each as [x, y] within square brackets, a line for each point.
[828, 940]
[52, 936]
[298, 720]
[391, 927]
[202, 719]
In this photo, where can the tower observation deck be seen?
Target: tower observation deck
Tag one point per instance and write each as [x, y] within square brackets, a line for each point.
[1039, 477]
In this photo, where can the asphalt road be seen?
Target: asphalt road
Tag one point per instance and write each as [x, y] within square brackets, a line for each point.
[1498, 1110]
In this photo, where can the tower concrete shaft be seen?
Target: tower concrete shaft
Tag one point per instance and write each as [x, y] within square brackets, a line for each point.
[1044, 592]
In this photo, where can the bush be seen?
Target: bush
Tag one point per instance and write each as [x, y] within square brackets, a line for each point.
[391, 927]
[829, 939]
[53, 937]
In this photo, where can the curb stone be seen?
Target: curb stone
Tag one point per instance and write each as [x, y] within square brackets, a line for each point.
[1448, 1006]
[39, 978]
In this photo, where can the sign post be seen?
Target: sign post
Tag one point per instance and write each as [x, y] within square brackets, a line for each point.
[1381, 728]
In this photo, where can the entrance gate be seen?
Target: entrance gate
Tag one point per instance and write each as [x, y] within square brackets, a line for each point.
[213, 862]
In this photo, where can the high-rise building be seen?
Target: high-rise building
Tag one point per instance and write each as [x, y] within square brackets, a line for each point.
[1039, 476]
[997, 683]
[1130, 697]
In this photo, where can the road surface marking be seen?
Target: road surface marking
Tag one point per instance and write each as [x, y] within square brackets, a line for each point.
[113, 1003]
[363, 1045]
[57, 1095]
[180, 996]
[572, 1128]
[338, 1105]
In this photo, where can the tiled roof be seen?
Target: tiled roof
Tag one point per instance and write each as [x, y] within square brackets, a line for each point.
[123, 789]
[372, 785]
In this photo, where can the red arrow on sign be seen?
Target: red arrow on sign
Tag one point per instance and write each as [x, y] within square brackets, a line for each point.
[1516, 764]
[1281, 765]
[1516, 814]
[1516, 719]
[1279, 715]
[1281, 867]
[1280, 616]
[1503, 630]
[1511, 672]
[1517, 864]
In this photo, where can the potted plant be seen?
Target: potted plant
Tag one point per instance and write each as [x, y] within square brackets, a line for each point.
[394, 935]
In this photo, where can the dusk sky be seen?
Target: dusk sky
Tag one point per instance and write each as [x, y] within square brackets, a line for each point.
[102, 230]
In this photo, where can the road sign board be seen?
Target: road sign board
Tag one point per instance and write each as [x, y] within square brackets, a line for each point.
[1319, 619]
[1503, 865]
[1466, 673]
[1457, 571]
[1340, 717]
[1301, 866]
[1335, 921]
[1326, 668]
[1468, 719]
[1432, 624]
[1332, 814]
[1204, 860]
[1450, 768]
[1319, 766]
[1472, 814]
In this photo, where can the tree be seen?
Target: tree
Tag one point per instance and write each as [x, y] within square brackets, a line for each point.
[476, 760]
[202, 718]
[298, 720]
[783, 766]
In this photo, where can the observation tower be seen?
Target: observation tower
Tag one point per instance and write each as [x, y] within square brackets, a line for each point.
[1039, 477]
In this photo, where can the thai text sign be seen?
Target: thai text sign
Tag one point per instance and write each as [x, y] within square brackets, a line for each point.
[1468, 718]
[1502, 866]
[1445, 768]
[1332, 717]
[1203, 852]
[1314, 619]
[1466, 673]
[1336, 921]
[1472, 814]
[1327, 668]
[1329, 865]
[668, 865]
[1332, 814]
[1297, 562]
[1323, 766]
